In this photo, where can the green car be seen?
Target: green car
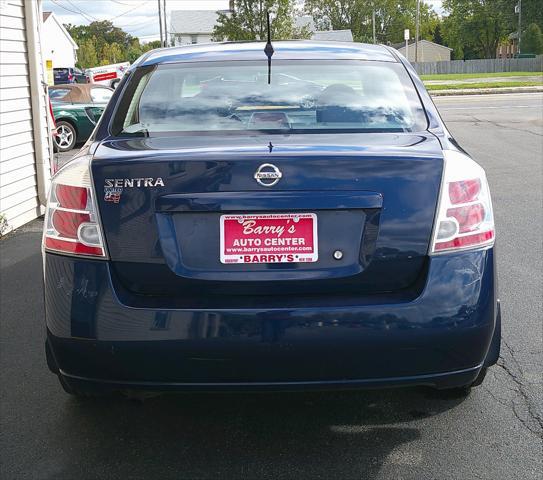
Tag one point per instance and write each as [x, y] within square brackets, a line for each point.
[76, 108]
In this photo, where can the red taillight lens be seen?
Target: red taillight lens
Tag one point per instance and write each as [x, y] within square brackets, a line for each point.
[72, 197]
[467, 241]
[72, 247]
[464, 218]
[464, 191]
[67, 223]
[468, 217]
[71, 219]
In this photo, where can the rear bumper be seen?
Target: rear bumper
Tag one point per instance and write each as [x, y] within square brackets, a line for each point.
[440, 338]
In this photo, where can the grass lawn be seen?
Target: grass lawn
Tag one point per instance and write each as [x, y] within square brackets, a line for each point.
[459, 86]
[462, 76]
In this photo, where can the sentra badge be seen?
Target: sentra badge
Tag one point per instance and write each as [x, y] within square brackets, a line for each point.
[133, 182]
[113, 187]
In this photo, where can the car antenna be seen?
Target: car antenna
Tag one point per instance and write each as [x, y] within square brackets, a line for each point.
[268, 50]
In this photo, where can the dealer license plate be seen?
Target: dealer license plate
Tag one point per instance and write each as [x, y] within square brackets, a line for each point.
[269, 238]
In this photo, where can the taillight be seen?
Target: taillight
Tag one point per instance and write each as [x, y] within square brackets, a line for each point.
[464, 218]
[71, 221]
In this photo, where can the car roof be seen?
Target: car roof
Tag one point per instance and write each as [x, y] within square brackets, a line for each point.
[283, 50]
[79, 92]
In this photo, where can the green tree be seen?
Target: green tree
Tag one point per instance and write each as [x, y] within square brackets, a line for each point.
[111, 53]
[86, 55]
[354, 15]
[248, 21]
[134, 50]
[476, 27]
[104, 35]
[104, 32]
[532, 40]
[532, 12]
[150, 46]
[391, 18]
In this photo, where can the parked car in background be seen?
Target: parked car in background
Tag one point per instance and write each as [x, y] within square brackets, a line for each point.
[109, 75]
[68, 75]
[303, 222]
[76, 109]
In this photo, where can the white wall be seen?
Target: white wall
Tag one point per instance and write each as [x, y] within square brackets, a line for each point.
[186, 39]
[19, 156]
[428, 52]
[56, 45]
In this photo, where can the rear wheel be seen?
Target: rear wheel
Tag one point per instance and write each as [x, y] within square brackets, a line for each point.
[66, 136]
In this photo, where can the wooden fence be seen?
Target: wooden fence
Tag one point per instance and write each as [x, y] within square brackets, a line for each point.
[490, 65]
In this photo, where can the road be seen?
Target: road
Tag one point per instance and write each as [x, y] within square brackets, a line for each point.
[536, 77]
[495, 433]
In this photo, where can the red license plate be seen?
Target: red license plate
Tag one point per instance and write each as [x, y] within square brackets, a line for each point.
[269, 238]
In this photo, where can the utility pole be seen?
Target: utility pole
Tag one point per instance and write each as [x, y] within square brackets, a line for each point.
[160, 23]
[518, 9]
[417, 19]
[166, 43]
[261, 17]
[373, 21]
[406, 38]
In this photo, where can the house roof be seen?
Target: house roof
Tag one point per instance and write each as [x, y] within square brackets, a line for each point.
[193, 21]
[333, 35]
[48, 15]
[397, 46]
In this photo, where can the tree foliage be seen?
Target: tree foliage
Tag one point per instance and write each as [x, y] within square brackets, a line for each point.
[248, 21]
[532, 40]
[475, 28]
[391, 18]
[86, 55]
[101, 43]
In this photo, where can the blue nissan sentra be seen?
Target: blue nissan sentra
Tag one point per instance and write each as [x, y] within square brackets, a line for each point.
[249, 216]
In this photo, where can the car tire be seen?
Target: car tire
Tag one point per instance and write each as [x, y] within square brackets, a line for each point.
[480, 378]
[66, 137]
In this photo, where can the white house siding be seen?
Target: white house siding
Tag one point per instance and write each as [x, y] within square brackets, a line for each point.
[187, 39]
[56, 44]
[18, 181]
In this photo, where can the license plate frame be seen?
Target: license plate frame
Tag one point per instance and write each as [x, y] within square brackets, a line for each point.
[296, 242]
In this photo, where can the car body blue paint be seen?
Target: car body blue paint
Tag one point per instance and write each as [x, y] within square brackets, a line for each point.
[444, 326]
[283, 50]
[162, 313]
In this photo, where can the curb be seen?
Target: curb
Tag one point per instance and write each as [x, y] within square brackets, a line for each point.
[483, 91]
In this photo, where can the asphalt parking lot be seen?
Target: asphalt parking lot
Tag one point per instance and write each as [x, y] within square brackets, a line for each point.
[495, 433]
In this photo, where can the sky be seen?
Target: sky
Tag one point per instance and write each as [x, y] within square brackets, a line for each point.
[137, 17]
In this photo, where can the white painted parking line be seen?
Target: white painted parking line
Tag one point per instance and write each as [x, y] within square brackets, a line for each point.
[490, 108]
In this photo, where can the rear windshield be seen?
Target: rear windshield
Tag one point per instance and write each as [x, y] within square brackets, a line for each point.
[299, 96]
[57, 94]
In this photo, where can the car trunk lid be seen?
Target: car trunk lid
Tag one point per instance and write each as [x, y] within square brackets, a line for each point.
[371, 197]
